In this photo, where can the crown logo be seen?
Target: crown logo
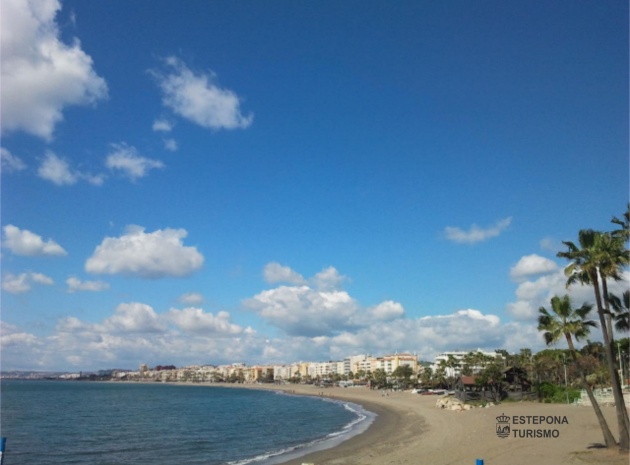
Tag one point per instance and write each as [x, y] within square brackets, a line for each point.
[503, 426]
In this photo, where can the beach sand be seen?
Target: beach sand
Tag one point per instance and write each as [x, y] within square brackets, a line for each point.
[409, 429]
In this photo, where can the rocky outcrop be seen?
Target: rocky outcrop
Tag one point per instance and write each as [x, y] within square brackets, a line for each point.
[454, 404]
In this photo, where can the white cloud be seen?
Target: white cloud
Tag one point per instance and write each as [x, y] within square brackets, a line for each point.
[126, 159]
[18, 284]
[276, 273]
[171, 145]
[15, 284]
[26, 243]
[530, 265]
[191, 298]
[197, 97]
[193, 336]
[388, 310]
[162, 125]
[314, 307]
[9, 162]
[58, 171]
[10, 335]
[75, 285]
[40, 74]
[475, 233]
[148, 255]
[135, 333]
[300, 310]
[40, 278]
[134, 317]
[531, 294]
[195, 320]
[318, 325]
[328, 279]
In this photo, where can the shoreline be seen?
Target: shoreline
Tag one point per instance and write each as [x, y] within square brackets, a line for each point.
[409, 429]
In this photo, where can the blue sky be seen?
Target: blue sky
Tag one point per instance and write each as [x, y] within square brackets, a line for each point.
[279, 181]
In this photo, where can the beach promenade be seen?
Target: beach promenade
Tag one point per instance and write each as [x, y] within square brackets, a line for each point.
[410, 430]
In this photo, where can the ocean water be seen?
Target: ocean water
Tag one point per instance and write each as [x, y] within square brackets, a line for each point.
[66, 422]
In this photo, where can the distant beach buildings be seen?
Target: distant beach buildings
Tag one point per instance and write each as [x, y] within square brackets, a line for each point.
[355, 366]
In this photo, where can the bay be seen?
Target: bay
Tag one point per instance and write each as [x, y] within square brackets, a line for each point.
[69, 422]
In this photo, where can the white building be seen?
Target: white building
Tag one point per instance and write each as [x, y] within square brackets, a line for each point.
[459, 357]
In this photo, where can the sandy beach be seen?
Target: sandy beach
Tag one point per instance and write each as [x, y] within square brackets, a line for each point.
[410, 429]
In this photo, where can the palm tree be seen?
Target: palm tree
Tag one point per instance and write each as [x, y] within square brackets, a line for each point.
[565, 321]
[612, 257]
[622, 311]
[603, 256]
[624, 222]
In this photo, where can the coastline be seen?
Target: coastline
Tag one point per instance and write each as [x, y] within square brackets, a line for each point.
[409, 429]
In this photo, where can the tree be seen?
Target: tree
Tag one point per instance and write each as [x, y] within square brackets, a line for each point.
[624, 222]
[404, 372]
[468, 363]
[602, 256]
[439, 377]
[621, 307]
[453, 364]
[380, 378]
[565, 321]
[524, 360]
[427, 377]
[491, 376]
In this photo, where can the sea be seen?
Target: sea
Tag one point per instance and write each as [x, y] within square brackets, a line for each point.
[99, 423]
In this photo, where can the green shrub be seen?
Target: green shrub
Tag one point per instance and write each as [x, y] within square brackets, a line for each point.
[552, 393]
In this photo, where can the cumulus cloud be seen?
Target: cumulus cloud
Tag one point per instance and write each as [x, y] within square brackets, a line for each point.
[314, 307]
[41, 75]
[276, 273]
[134, 317]
[26, 243]
[530, 265]
[195, 320]
[152, 255]
[10, 335]
[191, 298]
[537, 291]
[301, 310]
[134, 333]
[475, 233]
[9, 162]
[198, 98]
[75, 285]
[126, 159]
[58, 171]
[318, 325]
[328, 279]
[191, 335]
[388, 310]
[18, 284]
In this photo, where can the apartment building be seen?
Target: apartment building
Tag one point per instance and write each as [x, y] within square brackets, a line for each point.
[459, 357]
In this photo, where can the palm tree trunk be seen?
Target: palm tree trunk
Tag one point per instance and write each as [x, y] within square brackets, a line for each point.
[620, 405]
[609, 326]
[609, 439]
[608, 315]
